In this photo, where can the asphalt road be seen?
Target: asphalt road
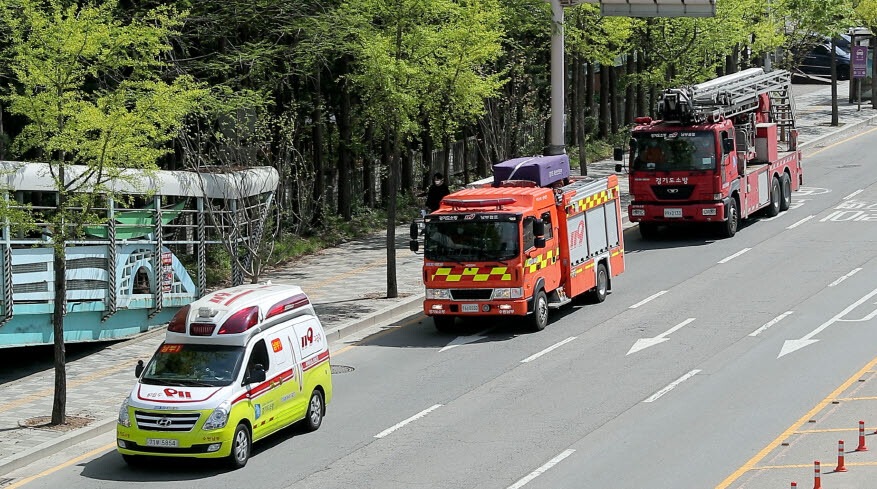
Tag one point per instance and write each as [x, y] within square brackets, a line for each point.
[578, 404]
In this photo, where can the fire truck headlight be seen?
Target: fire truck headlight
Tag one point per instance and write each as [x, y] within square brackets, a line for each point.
[124, 418]
[218, 418]
[718, 196]
[638, 212]
[438, 294]
[513, 293]
[709, 212]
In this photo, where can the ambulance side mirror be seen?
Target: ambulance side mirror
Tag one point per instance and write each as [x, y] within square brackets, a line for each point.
[256, 375]
[138, 370]
[413, 245]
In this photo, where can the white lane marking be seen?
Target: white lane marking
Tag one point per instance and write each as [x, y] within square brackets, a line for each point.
[649, 298]
[857, 192]
[735, 255]
[802, 221]
[643, 343]
[403, 423]
[855, 271]
[673, 385]
[791, 345]
[464, 340]
[547, 350]
[770, 323]
[541, 470]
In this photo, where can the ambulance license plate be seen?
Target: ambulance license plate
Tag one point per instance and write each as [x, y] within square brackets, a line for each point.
[672, 212]
[470, 307]
[162, 442]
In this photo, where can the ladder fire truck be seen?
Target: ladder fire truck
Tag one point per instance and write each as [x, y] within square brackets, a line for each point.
[529, 241]
[714, 156]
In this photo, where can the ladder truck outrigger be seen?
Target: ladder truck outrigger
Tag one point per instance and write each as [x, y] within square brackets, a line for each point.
[714, 156]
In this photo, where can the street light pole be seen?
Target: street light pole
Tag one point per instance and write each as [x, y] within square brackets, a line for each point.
[557, 144]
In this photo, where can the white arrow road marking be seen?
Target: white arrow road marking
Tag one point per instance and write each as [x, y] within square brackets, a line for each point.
[770, 323]
[643, 343]
[403, 423]
[857, 192]
[649, 298]
[855, 271]
[735, 255]
[462, 340]
[547, 350]
[802, 221]
[541, 470]
[791, 345]
[672, 386]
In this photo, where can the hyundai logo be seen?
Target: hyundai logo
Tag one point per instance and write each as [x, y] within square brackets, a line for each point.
[672, 190]
[164, 422]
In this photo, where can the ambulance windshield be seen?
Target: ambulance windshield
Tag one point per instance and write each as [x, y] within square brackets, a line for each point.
[471, 241]
[194, 365]
[674, 151]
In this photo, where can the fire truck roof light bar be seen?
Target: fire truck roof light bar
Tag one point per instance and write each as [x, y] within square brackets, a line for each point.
[470, 203]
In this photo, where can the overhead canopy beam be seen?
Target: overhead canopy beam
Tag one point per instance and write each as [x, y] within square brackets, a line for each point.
[651, 8]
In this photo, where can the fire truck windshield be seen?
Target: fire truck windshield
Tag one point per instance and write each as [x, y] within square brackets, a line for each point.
[471, 241]
[192, 365]
[674, 151]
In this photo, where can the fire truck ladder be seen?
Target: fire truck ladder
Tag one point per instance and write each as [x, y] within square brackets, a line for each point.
[782, 111]
[729, 96]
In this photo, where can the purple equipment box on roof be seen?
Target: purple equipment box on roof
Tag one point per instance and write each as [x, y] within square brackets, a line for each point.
[543, 170]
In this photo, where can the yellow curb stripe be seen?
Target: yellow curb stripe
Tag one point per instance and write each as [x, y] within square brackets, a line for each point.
[856, 399]
[61, 466]
[801, 466]
[841, 142]
[792, 429]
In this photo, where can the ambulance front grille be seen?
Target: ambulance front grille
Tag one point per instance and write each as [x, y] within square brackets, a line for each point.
[166, 421]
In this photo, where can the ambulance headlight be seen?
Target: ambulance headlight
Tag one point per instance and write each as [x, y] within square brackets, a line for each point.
[218, 418]
[124, 418]
[438, 294]
[513, 293]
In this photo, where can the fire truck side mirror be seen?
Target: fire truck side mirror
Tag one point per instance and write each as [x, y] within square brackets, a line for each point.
[413, 230]
[138, 370]
[618, 154]
[728, 145]
[538, 228]
[539, 242]
[618, 167]
[413, 245]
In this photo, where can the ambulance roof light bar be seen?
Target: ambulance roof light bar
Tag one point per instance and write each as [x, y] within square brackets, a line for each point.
[474, 203]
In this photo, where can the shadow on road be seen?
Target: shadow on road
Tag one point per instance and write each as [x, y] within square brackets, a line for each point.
[678, 236]
[24, 361]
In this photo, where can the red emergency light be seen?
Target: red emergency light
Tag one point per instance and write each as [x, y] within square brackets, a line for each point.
[178, 323]
[240, 321]
[287, 305]
[643, 120]
[468, 203]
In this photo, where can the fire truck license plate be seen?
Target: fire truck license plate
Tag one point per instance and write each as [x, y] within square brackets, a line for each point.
[162, 442]
[470, 307]
[672, 212]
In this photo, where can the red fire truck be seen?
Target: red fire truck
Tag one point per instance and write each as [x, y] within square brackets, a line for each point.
[714, 156]
[527, 242]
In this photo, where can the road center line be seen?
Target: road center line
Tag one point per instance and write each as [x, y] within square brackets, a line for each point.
[857, 192]
[403, 423]
[770, 323]
[541, 470]
[802, 221]
[649, 298]
[547, 350]
[735, 255]
[836, 282]
[673, 385]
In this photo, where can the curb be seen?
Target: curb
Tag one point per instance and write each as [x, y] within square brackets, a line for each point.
[406, 306]
[848, 128]
[52, 447]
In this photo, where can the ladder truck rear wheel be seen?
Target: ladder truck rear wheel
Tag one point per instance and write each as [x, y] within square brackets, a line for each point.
[539, 317]
[732, 219]
[786, 186]
[444, 324]
[601, 289]
[776, 196]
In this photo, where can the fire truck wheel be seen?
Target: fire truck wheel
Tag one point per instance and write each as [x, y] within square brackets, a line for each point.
[598, 294]
[539, 318]
[786, 185]
[775, 197]
[444, 324]
[648, 230]
[729, 227]
[240, 447]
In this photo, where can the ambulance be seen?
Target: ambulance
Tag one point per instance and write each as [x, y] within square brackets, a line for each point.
[236, 366]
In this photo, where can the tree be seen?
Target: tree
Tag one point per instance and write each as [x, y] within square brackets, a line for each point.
[88, 87]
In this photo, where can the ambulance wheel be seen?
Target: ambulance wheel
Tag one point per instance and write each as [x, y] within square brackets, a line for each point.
[444, 324]
[732, 219]
[598, 294]
[134, 460]
[775, 197]
[240, 447]
[648, 230]
[539, 317]
[314, 418]
[786, 185]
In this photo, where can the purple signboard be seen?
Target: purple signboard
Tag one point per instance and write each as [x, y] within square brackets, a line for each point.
[860, 61]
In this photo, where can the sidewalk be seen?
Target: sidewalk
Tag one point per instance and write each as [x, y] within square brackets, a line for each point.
[347, 285]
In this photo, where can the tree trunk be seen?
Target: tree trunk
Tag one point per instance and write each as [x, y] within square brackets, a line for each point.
[59, 403]
[590, 82]
[834, 109]
[481, 151]
[464, 155]
[642, 103]
[613, 99]
[428, 148]
[446, 158]
[345, 163]
[392, 289]
[604, 101]
[318, 150]
[874, 76]
[407, 174]
[630, 92]
[386, 156]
